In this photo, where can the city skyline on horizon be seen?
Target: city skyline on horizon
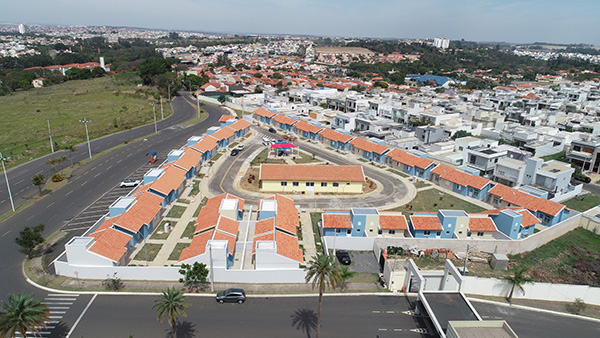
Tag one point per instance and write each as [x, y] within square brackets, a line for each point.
[512, 21]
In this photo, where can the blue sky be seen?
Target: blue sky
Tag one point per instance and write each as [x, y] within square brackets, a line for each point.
[575, 21]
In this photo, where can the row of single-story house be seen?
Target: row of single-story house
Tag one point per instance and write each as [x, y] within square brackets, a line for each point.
[465, 184]
[132, 218]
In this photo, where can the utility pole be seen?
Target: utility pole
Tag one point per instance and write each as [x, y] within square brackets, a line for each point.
[2, 158]
[85, 121]
[50, 133]
[212, 271]
[154, 109]
[198, 105]
[466, 258]
[162, 114]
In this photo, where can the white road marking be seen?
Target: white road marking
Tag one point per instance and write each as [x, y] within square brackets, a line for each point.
[49, 205]
[30, 217]
[98, 174]
[19, 182]
[63, 299]
[69, 193]
[81, 316]
[6, 233]
[82, 184]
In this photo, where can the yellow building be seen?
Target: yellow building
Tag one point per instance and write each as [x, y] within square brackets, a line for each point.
[302, 178]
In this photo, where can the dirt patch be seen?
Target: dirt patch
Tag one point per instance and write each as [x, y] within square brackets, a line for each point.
[369, 185]
[250, 180]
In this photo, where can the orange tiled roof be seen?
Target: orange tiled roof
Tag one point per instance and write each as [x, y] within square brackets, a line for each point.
[226, 117]
[206, 144]
[231, 239]
[228, 225]
[263, 112]
[111, 244]
[143, 211]
[459, 177]
[269, 236]
[369, 146]
[286, 217]
[481, 224]
[223, 133]
[393, 222]
[209, 214]
[527, 220]
[284, 119]
[197, 246]
[530, 202]
[188, 160]
[307, 172]
[301, 125]
[335, 136]
[426, 223]
[409, 159]
[264, 226]
[240, 125]
[337, 221]
[287, 245]
[170, 180]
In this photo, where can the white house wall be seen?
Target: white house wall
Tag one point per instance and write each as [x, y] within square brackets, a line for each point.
[266, 260]
[79, 255]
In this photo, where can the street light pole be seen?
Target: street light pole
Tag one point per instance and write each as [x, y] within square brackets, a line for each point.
[87, 134]
[50, 133]
[154, 109]
[212, 271]
[2, 158]
[198, 105]
[162, 114]
[466, 258]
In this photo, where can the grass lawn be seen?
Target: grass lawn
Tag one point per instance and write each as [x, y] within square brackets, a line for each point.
[177, 251]
[200, 206]
[398, 173]
[158, 232]
[113, 103]
[260, 158]
[304, 158]
[362, 160]
[421, 184]
[195, 188]
[433, 199]
[590, 200]
[364, 277]
[315, 217]
[216, 157]
[183, 201]
[152, 249]
[189, 230]
[176, 211]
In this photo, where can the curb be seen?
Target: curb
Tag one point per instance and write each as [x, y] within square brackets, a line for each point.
[529, 308]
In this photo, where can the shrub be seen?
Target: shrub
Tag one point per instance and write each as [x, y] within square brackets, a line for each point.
[57, 178]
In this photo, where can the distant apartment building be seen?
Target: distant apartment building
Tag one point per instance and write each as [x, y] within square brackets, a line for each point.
[585, 154]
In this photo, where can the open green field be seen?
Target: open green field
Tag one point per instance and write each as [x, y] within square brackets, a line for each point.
[589, 201]
[433, 200]
[113, 103]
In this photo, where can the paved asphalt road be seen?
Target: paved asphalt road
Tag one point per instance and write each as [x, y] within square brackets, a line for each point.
[224, 178]
[19, 178]
[103, 173]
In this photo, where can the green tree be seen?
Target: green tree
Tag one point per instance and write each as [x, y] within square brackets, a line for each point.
[22, 313]
[70, 150]
[194, 275]
[461, 133]
[152, 67]
[98, 72]
[380, 84]
[517, 280]
[171, 304]
[323, 272]
[29, 239]
[345, 274]
[222, 99]
[277, 75]
[38, 181]
[258, 75]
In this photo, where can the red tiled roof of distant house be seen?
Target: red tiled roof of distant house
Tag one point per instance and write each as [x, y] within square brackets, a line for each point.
[368, 146]
[426, 222]
[240, 125]
[170, 180]
[287, 245]
[301, 125]
[111, 244]
[231, 239]
[223, 133]
[308, 172]
[208, 143]
[337, 221]
[264, 113]
[228, 225]
[188, 160]
[209, 214]
[335, 136]
[197, 246]
[286, 217]
[284, 119]
[409, 159]
[533, 203]
[392, 222]
[226, 117]
[528, 218]
[477, 224]
[143, 211]
[459, 177]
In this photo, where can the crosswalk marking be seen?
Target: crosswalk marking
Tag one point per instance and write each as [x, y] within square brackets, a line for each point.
[58, 304]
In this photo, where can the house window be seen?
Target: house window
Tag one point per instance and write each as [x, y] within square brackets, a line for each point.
[310, 184]
[323, 184]
[460, 232]
[475, 193]
[480, 234]
[469, 234]
[426, 232]
[295, 184]
[370, 230]
[496, 200]
[379, 232]
[547, 219]
[392, 232]
[349, 231]
[439, 233]
[448, 183]
[335, 184]
[347, 183]
[283, 184]
[337, 231]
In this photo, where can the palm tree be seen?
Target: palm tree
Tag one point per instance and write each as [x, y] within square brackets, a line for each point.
[171, 304]
[38, 181]
[518, 279]
[23, 313]
[324, 272]
[345, 274]
[70, 150]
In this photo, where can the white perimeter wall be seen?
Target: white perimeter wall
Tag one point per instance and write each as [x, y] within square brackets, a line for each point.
[349, 243]
[171, 273]
[541, 291]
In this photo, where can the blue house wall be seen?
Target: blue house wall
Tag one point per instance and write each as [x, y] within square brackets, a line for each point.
[561, 216]
[264, 214]
[508, 222]
[358, 225]
[448, 224]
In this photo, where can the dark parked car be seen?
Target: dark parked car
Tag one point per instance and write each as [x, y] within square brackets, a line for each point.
[582, 178]
[343, 256]
[272, 130]
[234, 152]
[231, 296]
